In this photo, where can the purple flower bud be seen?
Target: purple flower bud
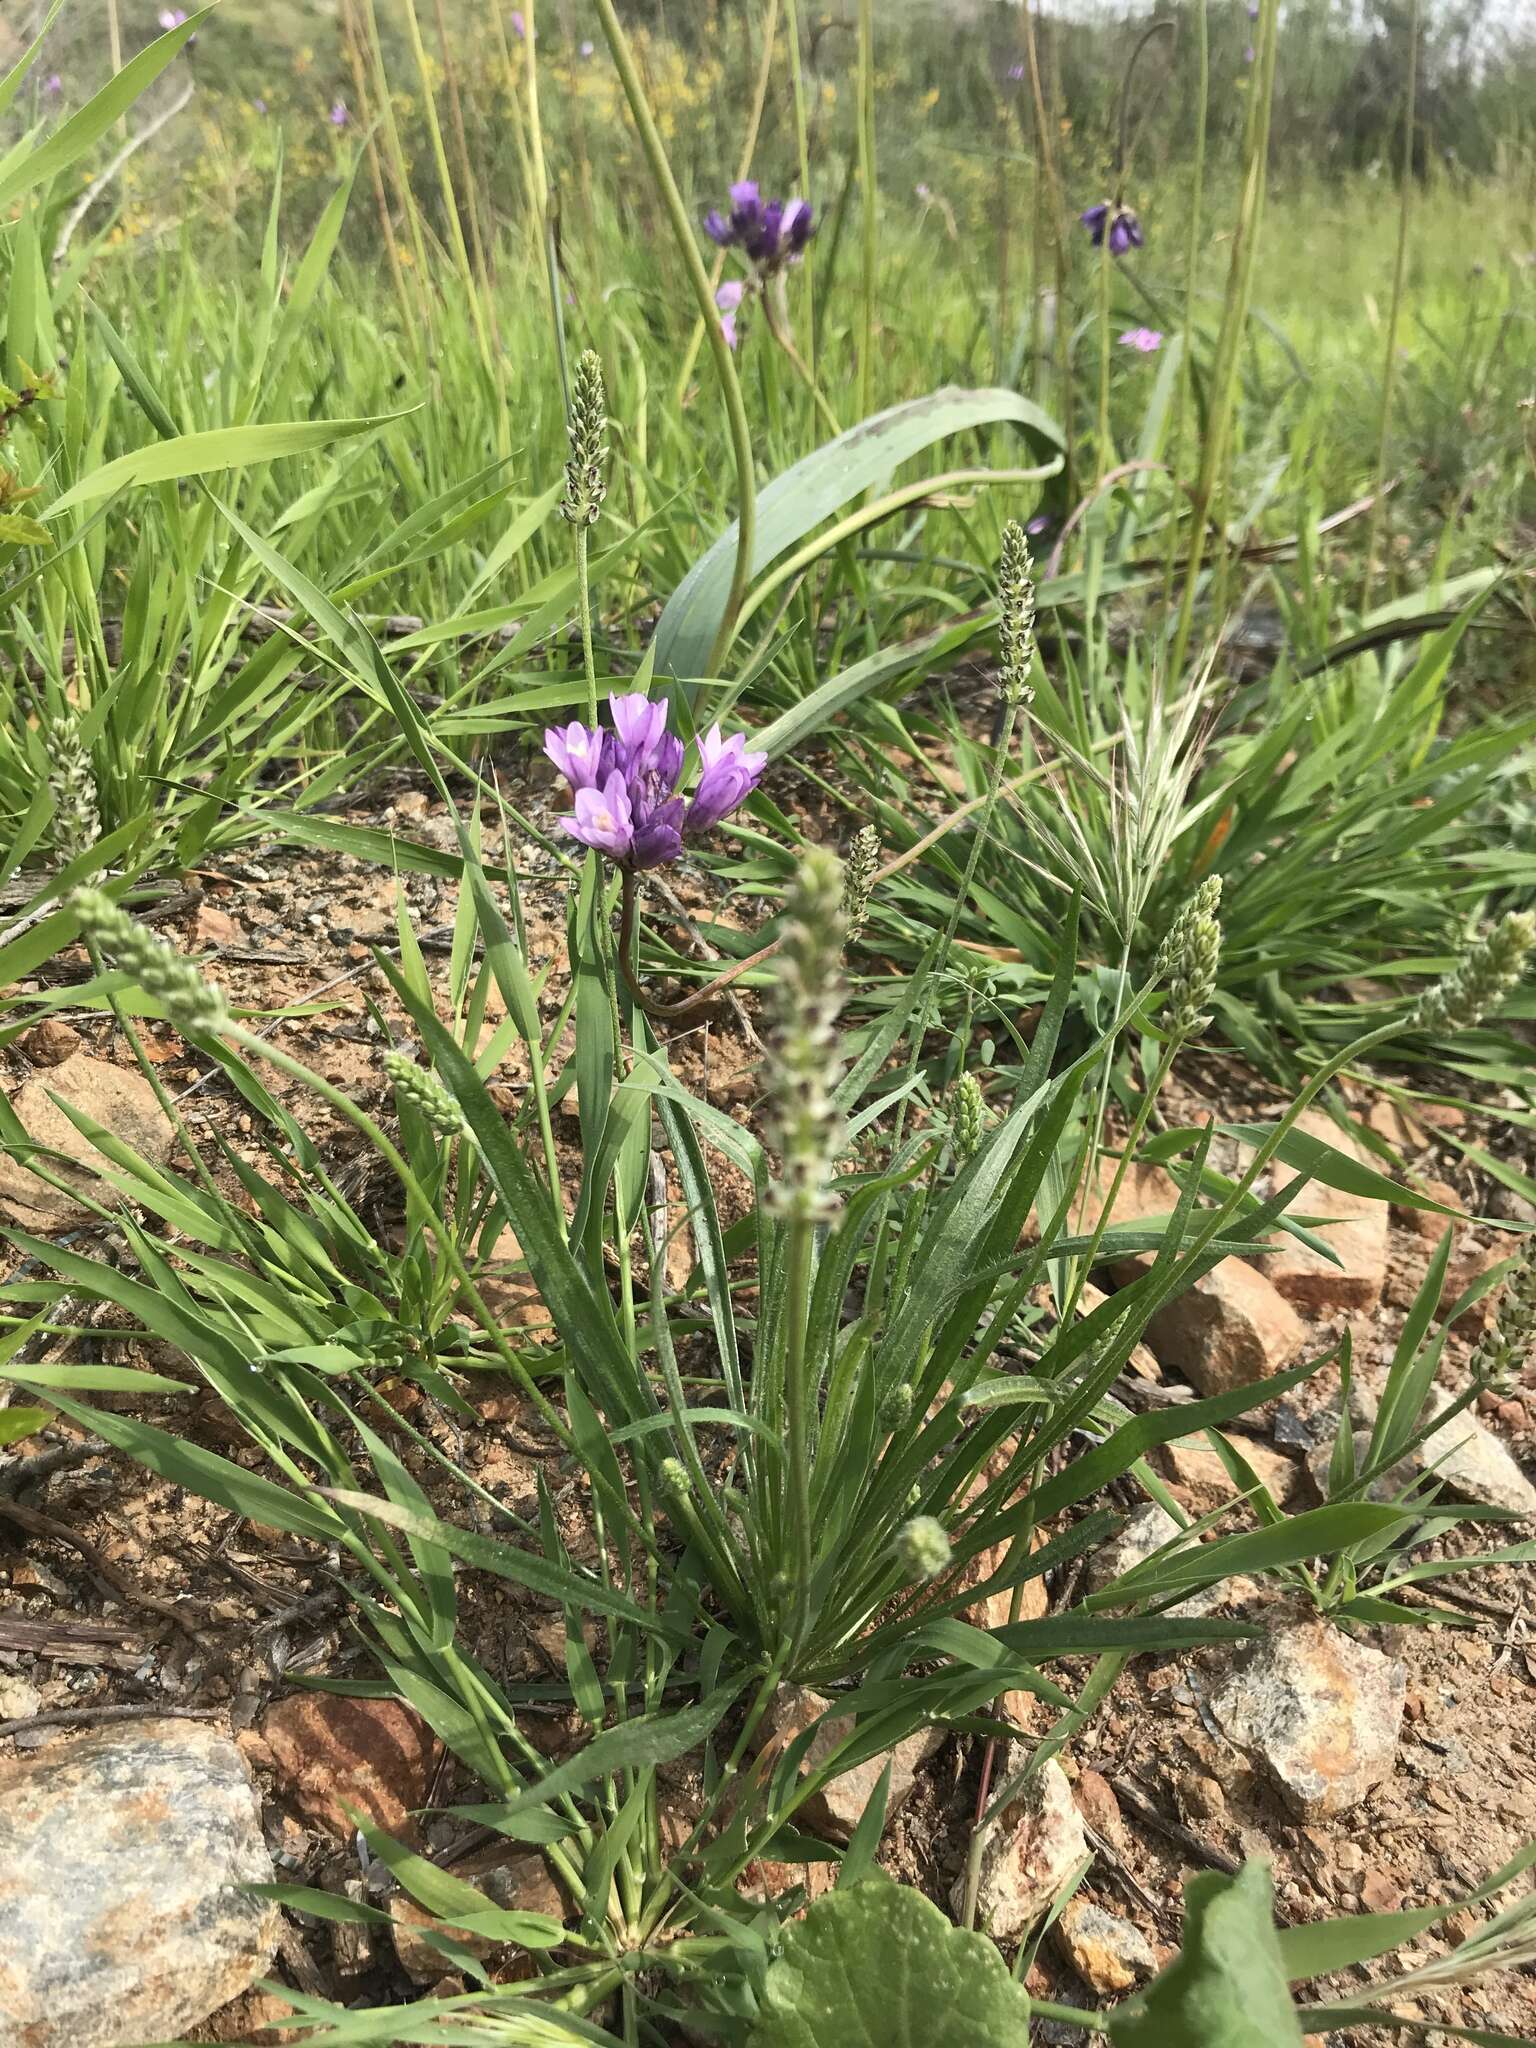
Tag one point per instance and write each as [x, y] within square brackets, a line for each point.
[727, 775]
[53, 85]
[340, 114]
[728, 299]
[519, 24]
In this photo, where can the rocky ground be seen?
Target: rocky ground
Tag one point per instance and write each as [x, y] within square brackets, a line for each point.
[154, 1745]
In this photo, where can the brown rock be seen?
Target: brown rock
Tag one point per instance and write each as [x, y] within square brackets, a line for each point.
[1318, 1712]
[764, 1882]
[1033, 1847]
[1426, 1224]
[1108, 1953]
[118, 1098]
[1145, 1191]
[506, 1286]
[995, 1611]
[50, 1043]
[1390, 1122]
[1097, 1803]
[213, 927]
[1229, 1329]
[1191, 1462]
[254, 2019]
[516, 1882]
[1355, 1228]
[1378, 1894]
[329, 1753]
[1143, 1360]
[124, 1860]
[835, 1811]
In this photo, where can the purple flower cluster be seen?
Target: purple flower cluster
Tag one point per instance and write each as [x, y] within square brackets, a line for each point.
[1123, 227]
[1148, 340]
[769, 233]
[628, 804]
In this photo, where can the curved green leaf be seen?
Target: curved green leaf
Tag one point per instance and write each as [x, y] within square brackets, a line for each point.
[163, 462]
[814, 488]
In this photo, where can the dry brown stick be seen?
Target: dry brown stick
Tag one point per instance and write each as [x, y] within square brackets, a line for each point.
[35, 1524]
[57, 1717]
[1131, 1795]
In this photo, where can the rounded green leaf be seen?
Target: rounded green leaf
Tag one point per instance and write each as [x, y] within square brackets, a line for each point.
[876, 1963]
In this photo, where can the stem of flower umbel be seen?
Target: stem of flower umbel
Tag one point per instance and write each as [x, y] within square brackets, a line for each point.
[698, 278]
[694, 1007]
[776, 318]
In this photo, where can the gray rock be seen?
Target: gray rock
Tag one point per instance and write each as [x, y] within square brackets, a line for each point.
[1108, 1953]
[19, 1700]
[835, 1811]
[1318, 1713]
[1469, 1462]
[1472, 1463]
[1032, 1849]
[1145, 1532]
[122, 1857]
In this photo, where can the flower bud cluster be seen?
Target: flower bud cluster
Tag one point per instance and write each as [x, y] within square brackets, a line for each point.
[585, 484]
[803, 1068]
[189, 1002]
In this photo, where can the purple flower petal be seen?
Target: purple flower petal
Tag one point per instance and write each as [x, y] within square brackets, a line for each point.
[660, 837]
[640, 725]
[603, 818]
[727, 775]
[718, 228]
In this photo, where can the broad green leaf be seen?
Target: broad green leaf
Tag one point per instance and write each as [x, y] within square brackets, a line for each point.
[162, 462]
[1227, 1987]
[813, 489]
[877, 1963]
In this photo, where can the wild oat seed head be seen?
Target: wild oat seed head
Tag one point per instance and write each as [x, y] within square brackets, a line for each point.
[1016, 614]
[585, 484]
[1510, 1340]
[969, 1117]
[72, 785]
[422, 1089]
[1485, 977]
[803, 1066]
[922, 1548]
[1195, 951]
[859, 878]
[189, 1002]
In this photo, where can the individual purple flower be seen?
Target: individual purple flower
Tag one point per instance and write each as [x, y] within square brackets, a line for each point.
[1147, 339]
[259, 105]
[728, 299]
[1015, 72]
[519, 24]
[53, 85]
[603, 818]
[769, 233]
[627, 800]
[1249, 54]
[1041, 523]
[727, 774]
[171, 17]
[1123, 226]
[340, 114]
[578, 753]
[585, 49]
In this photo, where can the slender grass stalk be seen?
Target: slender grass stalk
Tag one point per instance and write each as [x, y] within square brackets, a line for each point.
[535, 124]
[399, 169]
[467, 179]
[698, 278]
[352, 39]
[869, 199]
[1055, 213]
[1192, 267]
[1394, 314]
[1103, 454]
[1225, 376]
[460, 247]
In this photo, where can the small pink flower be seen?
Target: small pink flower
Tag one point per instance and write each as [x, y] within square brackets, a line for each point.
[340, 114]
[728, 299]
[171, 17]
[1147, 340]
[519, 24]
